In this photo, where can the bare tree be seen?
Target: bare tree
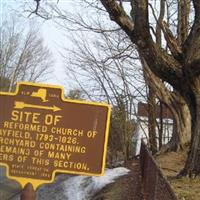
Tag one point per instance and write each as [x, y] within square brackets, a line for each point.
[23, 57]
[173, 100]
[178, 107]
[71, 22]
[103, 70]
[169, 64]
[179, 66]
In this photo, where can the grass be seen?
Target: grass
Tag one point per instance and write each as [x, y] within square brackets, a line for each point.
[171, 164]
[185, 188]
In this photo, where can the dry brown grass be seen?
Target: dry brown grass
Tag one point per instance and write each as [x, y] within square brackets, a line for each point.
[185, 188]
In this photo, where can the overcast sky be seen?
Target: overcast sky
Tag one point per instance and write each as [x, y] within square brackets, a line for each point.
[53, 37]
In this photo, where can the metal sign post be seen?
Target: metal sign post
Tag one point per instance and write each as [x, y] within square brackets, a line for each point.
[28, 193]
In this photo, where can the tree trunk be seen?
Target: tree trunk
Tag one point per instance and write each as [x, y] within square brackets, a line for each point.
[180, 68]
[192, 166]
[160, 131]
[178, 107]
[152, 120]
[181, 135]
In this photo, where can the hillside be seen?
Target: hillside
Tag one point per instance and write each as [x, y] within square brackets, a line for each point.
[171, 163]
[128, 187]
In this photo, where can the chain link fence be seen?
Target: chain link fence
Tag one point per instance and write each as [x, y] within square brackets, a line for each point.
[155, 185]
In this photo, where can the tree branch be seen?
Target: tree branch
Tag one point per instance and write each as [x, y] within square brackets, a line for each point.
[36, 8]
[118, 15]
[196, 4]
[192, 44]
[172, 43]
[162, 64]
[194, 69]
[39, 13]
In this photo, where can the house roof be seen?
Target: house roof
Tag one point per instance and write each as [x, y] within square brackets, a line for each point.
[143, 111]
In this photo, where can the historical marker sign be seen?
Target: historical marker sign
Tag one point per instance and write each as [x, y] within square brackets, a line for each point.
[42, 133]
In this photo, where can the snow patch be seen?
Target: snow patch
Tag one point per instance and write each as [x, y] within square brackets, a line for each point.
[84, 187]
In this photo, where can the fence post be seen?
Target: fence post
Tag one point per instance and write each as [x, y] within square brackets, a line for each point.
[28, 193]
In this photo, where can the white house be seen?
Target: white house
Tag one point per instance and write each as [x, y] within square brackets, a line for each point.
[142, 132]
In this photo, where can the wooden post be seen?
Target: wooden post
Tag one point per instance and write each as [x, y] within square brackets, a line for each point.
[28, 193]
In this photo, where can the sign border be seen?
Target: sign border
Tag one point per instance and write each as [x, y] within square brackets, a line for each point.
[37, 182]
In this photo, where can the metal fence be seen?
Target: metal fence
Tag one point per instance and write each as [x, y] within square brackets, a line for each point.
[155, 185]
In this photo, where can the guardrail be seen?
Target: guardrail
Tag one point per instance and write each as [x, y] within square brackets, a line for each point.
[155, 185]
